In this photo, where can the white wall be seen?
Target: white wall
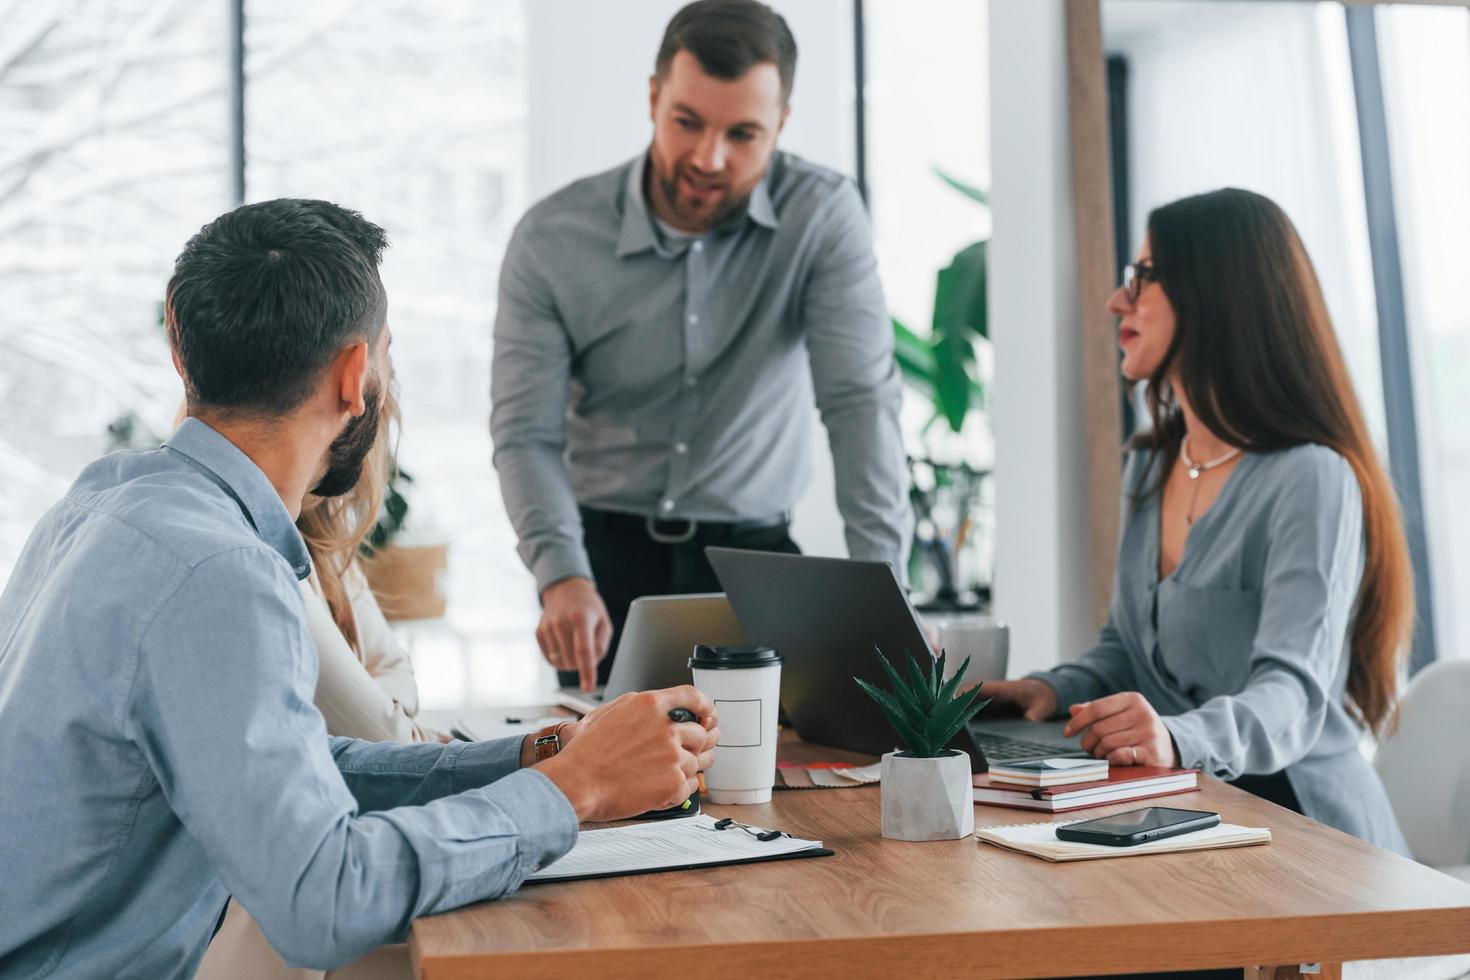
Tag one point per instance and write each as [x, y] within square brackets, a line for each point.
[588, 92]
[1041, 561]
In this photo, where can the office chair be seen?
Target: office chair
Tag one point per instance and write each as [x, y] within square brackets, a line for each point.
[1425, 766]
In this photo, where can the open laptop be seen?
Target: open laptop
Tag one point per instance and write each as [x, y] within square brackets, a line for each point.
[825, 616]
[658, 638]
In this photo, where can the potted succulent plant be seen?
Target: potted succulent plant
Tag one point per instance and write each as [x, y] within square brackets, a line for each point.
[926, 791]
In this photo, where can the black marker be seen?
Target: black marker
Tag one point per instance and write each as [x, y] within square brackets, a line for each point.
[682, 714]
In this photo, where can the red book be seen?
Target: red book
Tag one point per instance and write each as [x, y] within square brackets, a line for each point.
[1124, 783]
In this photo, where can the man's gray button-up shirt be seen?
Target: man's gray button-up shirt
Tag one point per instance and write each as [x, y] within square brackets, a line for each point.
[633, 369]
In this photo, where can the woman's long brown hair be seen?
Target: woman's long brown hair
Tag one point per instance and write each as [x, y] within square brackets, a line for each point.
[334, 528]
[1256, 355]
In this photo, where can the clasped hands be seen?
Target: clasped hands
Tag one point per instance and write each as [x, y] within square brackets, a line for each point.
[1122, 728]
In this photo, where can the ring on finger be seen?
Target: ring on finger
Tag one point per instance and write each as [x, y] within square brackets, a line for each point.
[1134, 750]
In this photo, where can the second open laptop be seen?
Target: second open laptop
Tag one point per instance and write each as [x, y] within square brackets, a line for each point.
[658, 637]
[826, 615]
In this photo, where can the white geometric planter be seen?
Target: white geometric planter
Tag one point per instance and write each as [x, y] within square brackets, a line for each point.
[927, 799]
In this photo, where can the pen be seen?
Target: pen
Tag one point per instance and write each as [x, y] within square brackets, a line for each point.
[682, 714]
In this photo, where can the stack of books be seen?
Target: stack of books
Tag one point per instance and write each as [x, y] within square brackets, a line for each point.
[1049, 772]
[1058, 785]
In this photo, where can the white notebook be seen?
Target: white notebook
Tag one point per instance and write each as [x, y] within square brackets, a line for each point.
[1040, 840]
[667, 845]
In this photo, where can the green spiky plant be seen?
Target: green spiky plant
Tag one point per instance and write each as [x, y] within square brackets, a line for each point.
[923, 708]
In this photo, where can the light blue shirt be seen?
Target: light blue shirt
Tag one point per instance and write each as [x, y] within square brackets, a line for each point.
[672, 376]
[1243, 648]
[161, 750]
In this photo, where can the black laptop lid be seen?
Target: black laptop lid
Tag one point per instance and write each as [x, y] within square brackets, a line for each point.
[825, 616]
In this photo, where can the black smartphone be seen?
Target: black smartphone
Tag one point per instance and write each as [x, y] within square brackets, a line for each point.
[1138, 826]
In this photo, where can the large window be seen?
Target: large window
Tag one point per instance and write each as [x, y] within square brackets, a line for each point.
[1425, 54]
[415, 115]
[115, 130]
[113, 150]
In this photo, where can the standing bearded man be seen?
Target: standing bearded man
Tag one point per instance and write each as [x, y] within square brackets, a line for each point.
[663, 330]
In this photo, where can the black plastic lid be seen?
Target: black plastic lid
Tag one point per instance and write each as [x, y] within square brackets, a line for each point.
[733, 658]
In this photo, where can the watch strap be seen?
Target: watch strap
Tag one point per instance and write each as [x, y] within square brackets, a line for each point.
[547, 742]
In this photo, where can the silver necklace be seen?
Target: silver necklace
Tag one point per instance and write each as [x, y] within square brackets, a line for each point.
[1194, 470]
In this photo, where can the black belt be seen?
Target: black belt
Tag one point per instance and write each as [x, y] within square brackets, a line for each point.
[677, 530]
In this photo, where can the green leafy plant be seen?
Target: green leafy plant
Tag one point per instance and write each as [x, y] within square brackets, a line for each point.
[923, 707]
[943, 367]
[393, 514]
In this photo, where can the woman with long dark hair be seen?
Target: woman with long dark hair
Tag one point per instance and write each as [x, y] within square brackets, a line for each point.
[1263, 596]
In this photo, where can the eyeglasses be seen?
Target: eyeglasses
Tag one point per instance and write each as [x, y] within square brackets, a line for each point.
[1135, 274]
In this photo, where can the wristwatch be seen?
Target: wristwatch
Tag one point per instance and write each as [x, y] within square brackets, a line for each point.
[547, 742]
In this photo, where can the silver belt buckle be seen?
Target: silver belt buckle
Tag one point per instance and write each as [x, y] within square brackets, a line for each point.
[682, 537]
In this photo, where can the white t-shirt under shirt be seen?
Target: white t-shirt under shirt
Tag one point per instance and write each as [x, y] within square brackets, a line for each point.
[675, 238]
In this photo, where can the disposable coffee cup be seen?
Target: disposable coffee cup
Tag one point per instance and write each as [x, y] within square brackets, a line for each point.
[745, 685]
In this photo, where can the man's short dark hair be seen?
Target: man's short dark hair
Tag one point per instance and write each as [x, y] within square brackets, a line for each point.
[730, 37]
[263, 298]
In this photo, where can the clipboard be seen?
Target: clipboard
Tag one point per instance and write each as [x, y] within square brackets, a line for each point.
[685, 844]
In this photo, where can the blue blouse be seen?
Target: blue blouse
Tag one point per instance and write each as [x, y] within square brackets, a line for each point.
[1243, 649]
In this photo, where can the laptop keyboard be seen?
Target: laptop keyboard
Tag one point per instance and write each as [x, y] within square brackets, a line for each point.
[999, 748]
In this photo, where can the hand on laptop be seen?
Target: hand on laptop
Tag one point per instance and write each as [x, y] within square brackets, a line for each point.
[627, 757]
[574, 630]
[1034, 699]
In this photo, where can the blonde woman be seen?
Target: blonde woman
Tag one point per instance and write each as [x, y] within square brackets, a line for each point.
[365, 685]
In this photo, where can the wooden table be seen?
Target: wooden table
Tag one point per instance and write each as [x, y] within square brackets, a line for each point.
[883, 908]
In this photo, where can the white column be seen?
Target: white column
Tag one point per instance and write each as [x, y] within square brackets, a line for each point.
[1041, 555]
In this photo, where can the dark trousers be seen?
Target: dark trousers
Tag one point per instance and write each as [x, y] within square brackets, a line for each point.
[627, 563]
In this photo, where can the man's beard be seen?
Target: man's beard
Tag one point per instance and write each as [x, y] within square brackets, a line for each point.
[668, 185]
[347, 452]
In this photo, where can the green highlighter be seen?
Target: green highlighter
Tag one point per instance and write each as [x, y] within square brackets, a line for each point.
[690, 806]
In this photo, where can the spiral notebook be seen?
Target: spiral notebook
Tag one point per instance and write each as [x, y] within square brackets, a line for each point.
[1040, 840]
[673, 845]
